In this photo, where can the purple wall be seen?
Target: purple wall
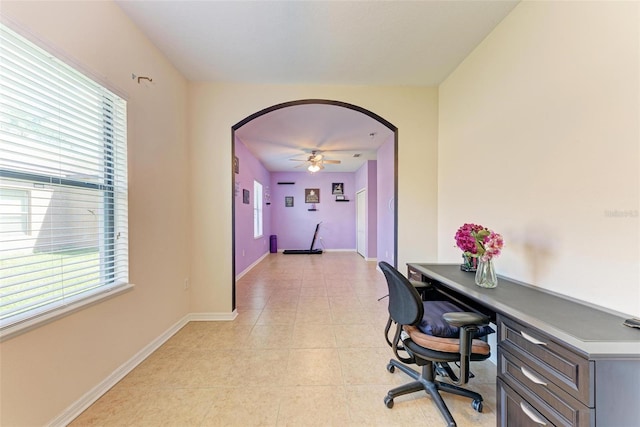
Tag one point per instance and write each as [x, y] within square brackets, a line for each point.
[249, 249]
[294, 226]
[385, 209]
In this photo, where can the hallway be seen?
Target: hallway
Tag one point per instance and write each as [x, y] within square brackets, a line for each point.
[307, 349]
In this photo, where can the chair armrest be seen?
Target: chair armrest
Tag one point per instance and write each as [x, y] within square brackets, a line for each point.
[465, 318]
[418, 284]
[468, 323]
[421, 287]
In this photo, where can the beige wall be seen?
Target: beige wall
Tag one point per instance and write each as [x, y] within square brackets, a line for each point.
[173, 190]
[215, 108]
[46, 370]
[538, 139]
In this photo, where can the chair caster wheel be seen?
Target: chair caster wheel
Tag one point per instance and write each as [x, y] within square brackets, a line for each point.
[389, 402]
[391, 368]
[477, 405]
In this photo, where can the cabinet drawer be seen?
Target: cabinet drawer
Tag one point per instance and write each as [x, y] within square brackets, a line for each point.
[513, 410]
[414, 275]
[564, 407]
[562, 366]
[519, 407]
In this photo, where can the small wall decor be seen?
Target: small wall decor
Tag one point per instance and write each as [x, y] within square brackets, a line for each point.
[245, 197]
[236, 164]
[337, 188]
[340, 198]
[145, 78]
[312, 195]
[288, 201]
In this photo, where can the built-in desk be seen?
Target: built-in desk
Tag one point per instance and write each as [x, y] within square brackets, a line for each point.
[560, 362]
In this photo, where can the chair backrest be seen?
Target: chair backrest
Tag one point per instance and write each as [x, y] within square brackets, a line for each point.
[405, 304]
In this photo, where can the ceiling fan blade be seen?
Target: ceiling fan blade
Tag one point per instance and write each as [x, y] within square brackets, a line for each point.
[335, 162]
[300, 166]
[298, 160]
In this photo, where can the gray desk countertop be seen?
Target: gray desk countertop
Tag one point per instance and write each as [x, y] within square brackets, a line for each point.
[598, 333]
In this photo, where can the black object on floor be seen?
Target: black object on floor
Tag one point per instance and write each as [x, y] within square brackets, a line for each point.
[309, 251]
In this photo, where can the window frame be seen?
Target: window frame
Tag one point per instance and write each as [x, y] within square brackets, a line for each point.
[111, 188]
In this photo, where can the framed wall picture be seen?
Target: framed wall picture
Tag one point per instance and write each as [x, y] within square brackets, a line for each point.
[245, 197]
[288, 201]
[337, 188]
[312, 195]
[236, 164]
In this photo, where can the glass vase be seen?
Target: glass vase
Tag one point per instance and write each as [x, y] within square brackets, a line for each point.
[469, 263]
[486, 274]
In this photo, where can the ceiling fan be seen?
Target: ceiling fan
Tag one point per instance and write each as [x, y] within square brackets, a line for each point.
[316, 161]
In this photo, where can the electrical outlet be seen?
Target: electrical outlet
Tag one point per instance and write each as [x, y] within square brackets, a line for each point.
[186, 283]
[243, 252]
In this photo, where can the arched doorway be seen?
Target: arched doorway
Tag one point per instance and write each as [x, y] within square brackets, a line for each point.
[392, 202]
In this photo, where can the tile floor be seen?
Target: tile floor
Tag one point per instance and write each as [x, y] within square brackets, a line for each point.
[307, 349]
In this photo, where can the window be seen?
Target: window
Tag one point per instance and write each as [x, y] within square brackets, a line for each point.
[257, 209]
[14, 216]
[63, 185]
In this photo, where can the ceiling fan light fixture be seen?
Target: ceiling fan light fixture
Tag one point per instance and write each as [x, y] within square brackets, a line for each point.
[313, 168]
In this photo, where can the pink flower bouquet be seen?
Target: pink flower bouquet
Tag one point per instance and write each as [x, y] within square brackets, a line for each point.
[478, 241]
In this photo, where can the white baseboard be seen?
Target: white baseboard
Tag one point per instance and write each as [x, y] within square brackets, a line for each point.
[212, 317]
[95, 393]
[326, 250]
[246, 270]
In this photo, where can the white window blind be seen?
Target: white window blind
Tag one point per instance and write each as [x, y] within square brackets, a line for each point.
[63, 184]
[257, 209]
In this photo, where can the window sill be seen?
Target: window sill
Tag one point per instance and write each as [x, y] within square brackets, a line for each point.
[19, 328]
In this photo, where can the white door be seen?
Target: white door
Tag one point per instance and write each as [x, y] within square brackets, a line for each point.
[361, 230]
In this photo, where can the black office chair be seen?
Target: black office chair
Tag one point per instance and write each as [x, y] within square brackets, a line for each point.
[406, 310]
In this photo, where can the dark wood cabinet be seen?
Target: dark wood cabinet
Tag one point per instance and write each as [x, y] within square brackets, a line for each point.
[560, 362]
[513, 410]
[550, 380]
[415, 275]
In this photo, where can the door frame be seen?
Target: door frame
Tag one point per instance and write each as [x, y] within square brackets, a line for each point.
[358, 193]
[247, 119]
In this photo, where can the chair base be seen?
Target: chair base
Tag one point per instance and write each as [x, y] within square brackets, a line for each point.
[426, 381]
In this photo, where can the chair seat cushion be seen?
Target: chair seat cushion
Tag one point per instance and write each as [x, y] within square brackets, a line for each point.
[433, 324]
[447, 345]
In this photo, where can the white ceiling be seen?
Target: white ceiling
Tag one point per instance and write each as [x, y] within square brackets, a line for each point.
[316, 42]
[294, 132]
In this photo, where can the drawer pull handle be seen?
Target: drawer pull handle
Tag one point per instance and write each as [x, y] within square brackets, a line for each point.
[533, 377]
[529, 413]
[532, 339]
